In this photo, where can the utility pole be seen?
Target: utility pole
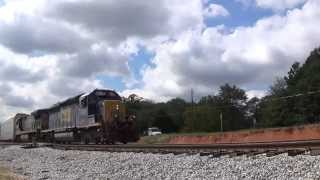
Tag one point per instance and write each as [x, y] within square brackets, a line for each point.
[192, 110]
[221, 121]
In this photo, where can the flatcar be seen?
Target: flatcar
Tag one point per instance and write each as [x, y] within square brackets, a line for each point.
[7, 132]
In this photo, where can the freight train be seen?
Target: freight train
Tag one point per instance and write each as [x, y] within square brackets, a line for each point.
[95, 117]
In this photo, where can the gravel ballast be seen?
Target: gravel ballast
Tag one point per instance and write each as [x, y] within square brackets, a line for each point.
[46, 163]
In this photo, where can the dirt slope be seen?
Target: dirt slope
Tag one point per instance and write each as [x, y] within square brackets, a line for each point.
[261, 135]
[307, 132]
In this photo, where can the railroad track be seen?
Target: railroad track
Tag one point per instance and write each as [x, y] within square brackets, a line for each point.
[292, 148]
[6, 143]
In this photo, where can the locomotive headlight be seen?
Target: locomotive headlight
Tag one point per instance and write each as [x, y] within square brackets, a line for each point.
[117, 107]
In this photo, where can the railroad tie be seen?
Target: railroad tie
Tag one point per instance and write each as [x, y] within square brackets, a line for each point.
[315, 152]
[254, 153]
[205, 153]
[236, 153]
[274, 152]
[294, 152]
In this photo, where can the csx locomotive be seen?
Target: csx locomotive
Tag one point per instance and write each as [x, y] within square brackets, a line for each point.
[95, 117]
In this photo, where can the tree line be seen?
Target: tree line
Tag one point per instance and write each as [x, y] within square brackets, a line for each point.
[291, 100]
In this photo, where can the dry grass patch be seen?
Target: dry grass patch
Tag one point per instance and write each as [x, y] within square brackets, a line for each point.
[158, 139]
[6, 174]
[165, 138]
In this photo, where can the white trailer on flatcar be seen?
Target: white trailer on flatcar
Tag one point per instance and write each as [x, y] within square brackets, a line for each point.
[7, 131]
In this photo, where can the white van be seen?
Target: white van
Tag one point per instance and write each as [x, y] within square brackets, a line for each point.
[154, 131]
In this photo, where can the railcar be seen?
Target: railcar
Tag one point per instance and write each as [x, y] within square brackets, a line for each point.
[24, 127]
[7, 130]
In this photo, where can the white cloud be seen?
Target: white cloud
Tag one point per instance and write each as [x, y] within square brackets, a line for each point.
[256, 93]
[250, 57]
[278, 5]
[116, 21]
[214, 10]
[14, 8]
[54, 49]
[6, 111]
[21, 36]
[275, 5]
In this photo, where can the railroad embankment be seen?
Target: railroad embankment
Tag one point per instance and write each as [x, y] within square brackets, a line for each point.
[306, 132]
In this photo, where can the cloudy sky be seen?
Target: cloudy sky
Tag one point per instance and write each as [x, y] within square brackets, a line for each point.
[158, 49]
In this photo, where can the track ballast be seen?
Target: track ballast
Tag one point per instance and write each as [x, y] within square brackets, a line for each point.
[292, 148]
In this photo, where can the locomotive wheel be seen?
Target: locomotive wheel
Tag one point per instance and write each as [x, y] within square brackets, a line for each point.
[109, 142]
[18, 138]
[85, 139]
[97, 140]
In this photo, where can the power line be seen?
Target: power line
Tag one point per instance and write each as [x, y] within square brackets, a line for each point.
[295, 95]
[235, 105]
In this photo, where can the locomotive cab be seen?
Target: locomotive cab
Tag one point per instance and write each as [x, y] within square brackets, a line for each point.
[98, 106]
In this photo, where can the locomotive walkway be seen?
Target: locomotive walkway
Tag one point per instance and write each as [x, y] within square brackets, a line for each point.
[292, 148]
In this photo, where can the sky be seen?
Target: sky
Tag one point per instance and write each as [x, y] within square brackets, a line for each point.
[51, 50]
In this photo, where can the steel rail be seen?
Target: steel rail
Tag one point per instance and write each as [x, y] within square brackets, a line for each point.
[290, 147]
[251, 148]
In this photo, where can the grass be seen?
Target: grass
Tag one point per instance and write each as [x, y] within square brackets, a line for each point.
[159, 139]
[6, 174]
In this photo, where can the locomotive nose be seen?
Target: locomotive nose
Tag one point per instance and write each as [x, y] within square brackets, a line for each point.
[113, 110]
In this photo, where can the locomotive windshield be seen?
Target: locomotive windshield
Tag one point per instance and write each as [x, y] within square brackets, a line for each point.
[106, 94]
[91, 99]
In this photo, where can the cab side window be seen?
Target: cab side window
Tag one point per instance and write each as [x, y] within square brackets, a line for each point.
[83, 103]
